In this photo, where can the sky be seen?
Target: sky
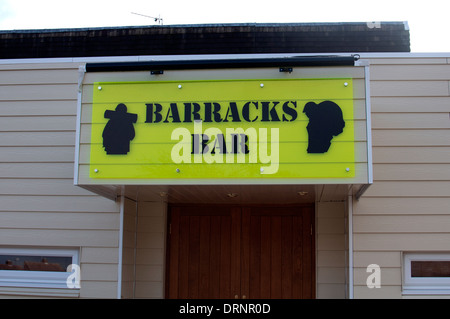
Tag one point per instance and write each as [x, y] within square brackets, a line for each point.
[428, 21]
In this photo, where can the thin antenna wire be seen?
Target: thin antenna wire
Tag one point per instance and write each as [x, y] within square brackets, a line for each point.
[158, 19]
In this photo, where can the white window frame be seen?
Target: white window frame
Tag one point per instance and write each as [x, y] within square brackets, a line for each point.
[37, 279]
[424, 285]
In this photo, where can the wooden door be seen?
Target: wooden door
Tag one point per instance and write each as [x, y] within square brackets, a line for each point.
[277, 253]
[240, 252]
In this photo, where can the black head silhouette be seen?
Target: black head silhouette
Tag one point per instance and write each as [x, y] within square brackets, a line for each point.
[325, 121]
[119, 130]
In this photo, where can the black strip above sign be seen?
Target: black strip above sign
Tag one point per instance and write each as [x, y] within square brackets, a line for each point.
[285, 62]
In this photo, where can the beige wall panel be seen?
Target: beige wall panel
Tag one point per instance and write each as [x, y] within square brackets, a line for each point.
[37, 170]
[409, 205]
[38, 108]
[128, 244]
[409, 88]
[38, 123]
[402, 242]
[404, 155]
[38, 64]
[52, 237]
[146, 240]
[330, 258]
[60, 220]
[412, 172]
[331, 275]
[38, 92]
[330, 291]
[406, 72]
[404, 59]
[410, 120]
[129, 222]
[150, 250]
[331, 225]
[18, 77]
[100, 255]
[385, 292]
[37, 293]
[149, 272]
[331, 248]
[401, 224]
[410, 137]
[98, 289]
[36, 138]
[38, 187]
[57, 204]
[37, 154]
[363, 259]
[389, 277]
[150, 256]
[99, 272]
[408, 189]
[430, 296]
[128, 248]
[151, 224]
[150, 289]
[330, 209]
[418, 104]
[331, 242]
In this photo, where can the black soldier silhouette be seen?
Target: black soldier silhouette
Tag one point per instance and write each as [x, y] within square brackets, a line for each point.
[325, 121]
[119, 131]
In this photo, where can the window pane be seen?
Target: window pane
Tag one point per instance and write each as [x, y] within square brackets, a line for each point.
[34, 263]
[430, 268]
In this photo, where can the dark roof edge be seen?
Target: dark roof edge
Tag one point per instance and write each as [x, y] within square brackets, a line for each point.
[284, 62]
[211, 25]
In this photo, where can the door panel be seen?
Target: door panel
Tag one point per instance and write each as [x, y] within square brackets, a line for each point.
[203, 252]
[277, 253]
[240, 252]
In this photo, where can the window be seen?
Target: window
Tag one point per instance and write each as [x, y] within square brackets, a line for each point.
[46, 268]
[426, 273]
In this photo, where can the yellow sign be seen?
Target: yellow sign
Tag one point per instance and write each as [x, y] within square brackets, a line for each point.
[230, 129]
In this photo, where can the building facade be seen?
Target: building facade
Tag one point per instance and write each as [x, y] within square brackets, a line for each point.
[81, 217]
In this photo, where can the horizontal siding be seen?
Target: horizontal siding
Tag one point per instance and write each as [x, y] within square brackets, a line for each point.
[40, 206]
[406, 72]
[410, 121]
[407, 207]
[37, 123]
[36, 138]
[411, 137]
[150, 250]
[37, 170]
[331, 250]
[59, 220]
[39, 92]
[412, 172]
[406, 104]
[409, 88]
[37, 108]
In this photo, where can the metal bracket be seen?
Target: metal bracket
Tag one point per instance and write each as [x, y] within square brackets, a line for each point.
[286, 69]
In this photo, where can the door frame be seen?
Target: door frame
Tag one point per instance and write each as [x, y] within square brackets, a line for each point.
[240, 206]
